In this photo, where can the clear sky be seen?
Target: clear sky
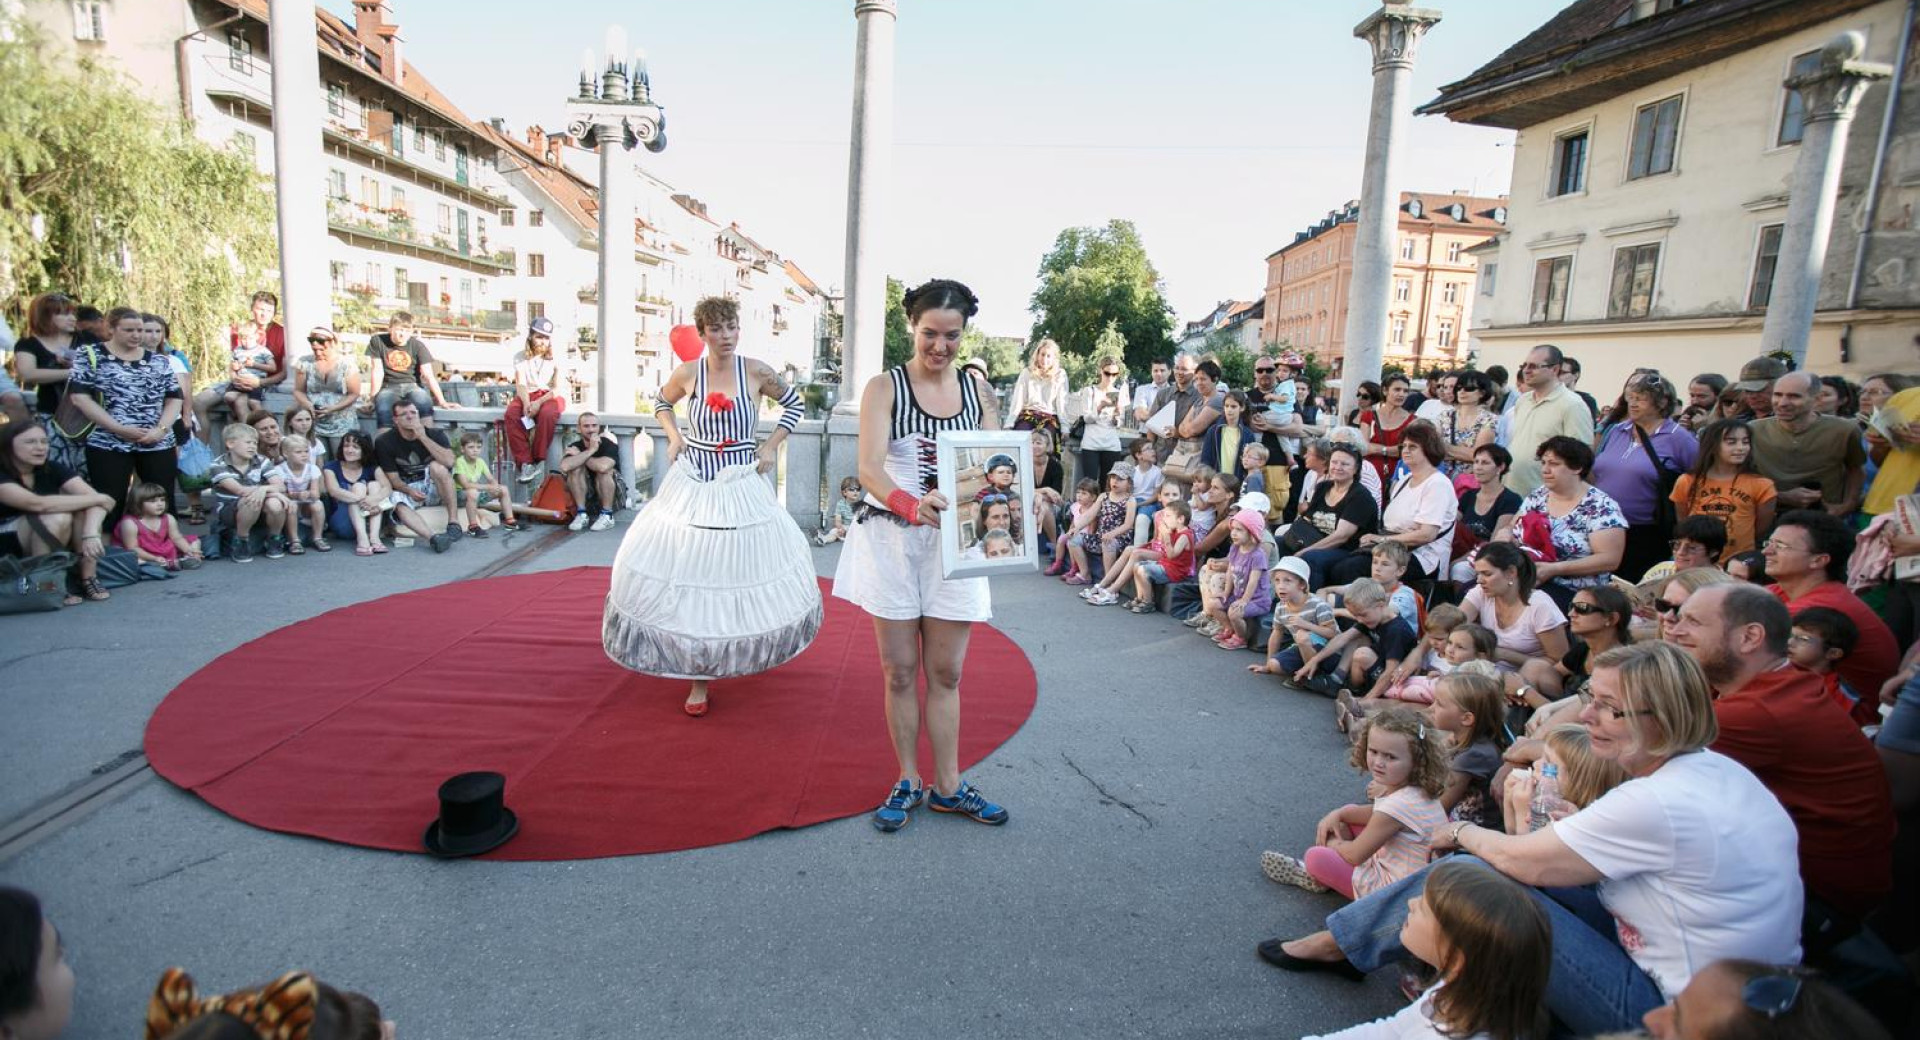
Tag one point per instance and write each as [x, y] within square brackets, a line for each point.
[1220, 127]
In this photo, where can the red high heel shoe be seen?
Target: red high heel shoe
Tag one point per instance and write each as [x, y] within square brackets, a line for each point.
[696, 710]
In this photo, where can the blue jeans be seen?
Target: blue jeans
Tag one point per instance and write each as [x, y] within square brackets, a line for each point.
[384, 400]
[1593, 986]
[1901, 731]
[1319, 562]
[1184, 601]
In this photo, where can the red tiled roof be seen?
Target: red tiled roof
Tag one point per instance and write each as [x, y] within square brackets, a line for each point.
[800, 277]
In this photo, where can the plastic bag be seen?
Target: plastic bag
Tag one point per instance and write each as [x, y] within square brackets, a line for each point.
[196, 464]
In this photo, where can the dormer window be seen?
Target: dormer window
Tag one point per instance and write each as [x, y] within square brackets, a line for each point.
[1414, 208]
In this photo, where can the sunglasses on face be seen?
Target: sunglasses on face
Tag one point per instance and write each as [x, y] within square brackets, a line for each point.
[1663, 607]
[1585, 609]
[1263, 371]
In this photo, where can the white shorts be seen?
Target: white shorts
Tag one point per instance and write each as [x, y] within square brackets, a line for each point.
[424, 485]
[893, 573]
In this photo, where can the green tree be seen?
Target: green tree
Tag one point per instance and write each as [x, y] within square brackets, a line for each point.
[105, 197]
[1235, 361]
[1094, 277]
[1003, 354]
[899, 338]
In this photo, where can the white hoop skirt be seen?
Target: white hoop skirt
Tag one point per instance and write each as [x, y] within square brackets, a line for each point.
[713, 580]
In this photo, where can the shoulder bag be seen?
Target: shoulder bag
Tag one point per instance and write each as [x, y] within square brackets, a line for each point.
[68, 420]
[1665, 514]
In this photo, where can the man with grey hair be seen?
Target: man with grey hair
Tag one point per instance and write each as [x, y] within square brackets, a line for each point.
[1547, 410]
[1813, 460]
[1779, 722]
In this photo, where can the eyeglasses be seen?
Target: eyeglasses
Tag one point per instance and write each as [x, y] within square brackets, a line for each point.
[1776, 545]
[1772, 995]
[1664, 607]
[1681, 545]
[1267, 371]
[1584, 609]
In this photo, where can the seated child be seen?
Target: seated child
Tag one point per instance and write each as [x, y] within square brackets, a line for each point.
[1079, 515]
[1109, 529]
[1698, 541]
[1584, 776]
[1390, 561]
[1147, 482]
[1299, 618]
[1175, 563]
[306, 489]
[243, 494]
[841, 520]
[1124, 569]
[1470, 709]
[151, 533]
[1361, 657]
[1250, 596]
[1822, 638]
[1361, 848]
[474, 479]
[1413, 680]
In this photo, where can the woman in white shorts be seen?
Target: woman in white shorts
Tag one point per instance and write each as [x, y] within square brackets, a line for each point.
[891, 565]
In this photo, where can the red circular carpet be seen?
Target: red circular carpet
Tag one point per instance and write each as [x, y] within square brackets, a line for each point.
[342, 727]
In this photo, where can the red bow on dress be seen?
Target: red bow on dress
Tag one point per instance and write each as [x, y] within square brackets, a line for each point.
[719, 402]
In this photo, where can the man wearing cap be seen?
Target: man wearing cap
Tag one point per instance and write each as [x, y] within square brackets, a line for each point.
[1756, 384]
[1546, 410]
[537, 401]
[1815, 461]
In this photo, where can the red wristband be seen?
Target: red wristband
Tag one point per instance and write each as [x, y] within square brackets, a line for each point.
[904, 506]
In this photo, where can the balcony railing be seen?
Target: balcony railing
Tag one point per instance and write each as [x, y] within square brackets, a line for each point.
[353, 219]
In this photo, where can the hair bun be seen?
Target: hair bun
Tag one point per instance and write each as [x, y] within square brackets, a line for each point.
[940, 294]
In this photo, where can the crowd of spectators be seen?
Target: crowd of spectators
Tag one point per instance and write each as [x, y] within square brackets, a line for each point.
[110, 444]
[1690, 604]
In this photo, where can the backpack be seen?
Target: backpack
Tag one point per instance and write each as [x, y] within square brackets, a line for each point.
[551, 503]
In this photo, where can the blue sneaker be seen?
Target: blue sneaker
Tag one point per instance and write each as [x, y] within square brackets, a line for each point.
[904, 798]
[967, 802]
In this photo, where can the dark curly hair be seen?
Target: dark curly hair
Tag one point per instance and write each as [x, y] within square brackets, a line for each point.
[942, 294]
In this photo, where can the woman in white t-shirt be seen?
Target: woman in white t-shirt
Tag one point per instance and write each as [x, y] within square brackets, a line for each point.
[1527, 625]
[1420, 513]
[1691, 861]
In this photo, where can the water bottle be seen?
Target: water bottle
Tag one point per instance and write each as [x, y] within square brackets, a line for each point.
[1546, 796]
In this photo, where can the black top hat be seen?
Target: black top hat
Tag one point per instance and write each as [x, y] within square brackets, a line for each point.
[474, 817]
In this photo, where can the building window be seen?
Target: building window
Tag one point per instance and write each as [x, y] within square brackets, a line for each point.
[400, 282]
[1402, 289]
[1445, 336]
[1765, 260]
[1406, 248]
[1569, 175]
[511, 309]
[439, 147]
[337, 184]
[536, 309]
[1453, 252]
[239, 54]
[1450, 292]
[397, 199]
[1634, 268]
[1489, 273]
[445, 213]
[369, 192]
[337, 272]
[1793, 111]
[1656, 136]
[536, 218]
[336, 101]
[506, 218]
[419, 140]
[537, 265]
[1550, 279]
[1399, 332]
[90, 20]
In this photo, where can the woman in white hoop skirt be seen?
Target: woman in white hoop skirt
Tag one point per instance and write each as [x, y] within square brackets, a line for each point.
[714, 580]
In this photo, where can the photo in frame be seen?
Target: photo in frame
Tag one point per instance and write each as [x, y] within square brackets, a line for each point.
[987, 476]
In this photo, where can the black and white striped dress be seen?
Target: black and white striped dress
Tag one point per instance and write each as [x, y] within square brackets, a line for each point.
[721, 438]
[891, 570]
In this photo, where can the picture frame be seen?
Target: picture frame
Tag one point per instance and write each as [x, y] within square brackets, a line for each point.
[966, 462]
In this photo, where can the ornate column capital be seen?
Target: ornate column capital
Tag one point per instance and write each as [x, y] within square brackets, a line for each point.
[862, 8]
[1395, 32]
[1833, 91]
[627, 126]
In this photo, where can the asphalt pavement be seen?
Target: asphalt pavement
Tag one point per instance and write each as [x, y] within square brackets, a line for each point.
[1124, 898]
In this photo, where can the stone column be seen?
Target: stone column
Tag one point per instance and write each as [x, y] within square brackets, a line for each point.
[299, 170]
[869, 178]
[618, 362]
[1394, 32]
[1832, 94]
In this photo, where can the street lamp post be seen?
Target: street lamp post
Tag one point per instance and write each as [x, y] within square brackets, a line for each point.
[613, 112]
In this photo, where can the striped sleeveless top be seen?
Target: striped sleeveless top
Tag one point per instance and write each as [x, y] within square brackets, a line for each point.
[912, 461]
[717, 439]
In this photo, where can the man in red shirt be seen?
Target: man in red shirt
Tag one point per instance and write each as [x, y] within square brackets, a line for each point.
[1779, 722]
[1807, 558]
[246, 389]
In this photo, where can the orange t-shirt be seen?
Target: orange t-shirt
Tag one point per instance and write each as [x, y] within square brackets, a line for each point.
[1735, 501]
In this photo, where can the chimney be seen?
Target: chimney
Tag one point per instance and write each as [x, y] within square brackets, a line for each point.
[374, 29]
[554, 144]
[537, 139]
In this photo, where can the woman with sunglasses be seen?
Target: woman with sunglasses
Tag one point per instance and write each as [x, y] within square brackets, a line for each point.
[1365, 397]
[1632, 466]
[328, 383]
[1597, 621]
[1102, 406]
[1469, 425]
[1644, 887]
[1674, 594]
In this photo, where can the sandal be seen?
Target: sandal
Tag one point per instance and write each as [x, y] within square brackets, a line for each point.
[1142, 607]
[322, 545]
[379, 548]
[197, 515]
[93, 590]
[363, 550]
[1075, 579]
[296, 549]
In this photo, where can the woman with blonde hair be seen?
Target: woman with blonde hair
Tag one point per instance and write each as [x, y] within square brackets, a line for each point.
[1103, 407]
[1039, 396]
[1682, 862]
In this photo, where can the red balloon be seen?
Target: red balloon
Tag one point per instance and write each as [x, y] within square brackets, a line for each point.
[686, 342]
